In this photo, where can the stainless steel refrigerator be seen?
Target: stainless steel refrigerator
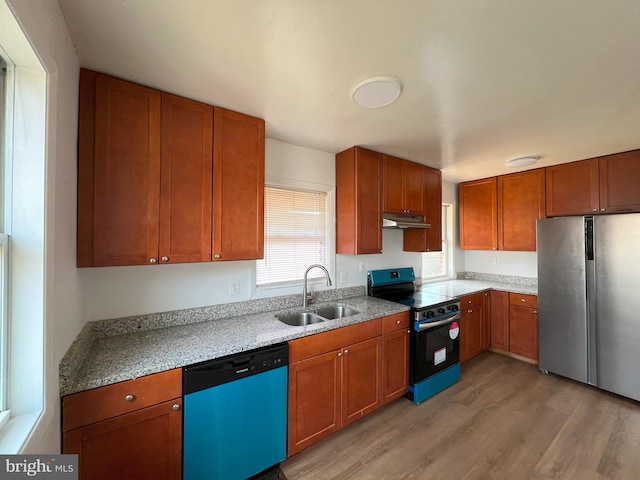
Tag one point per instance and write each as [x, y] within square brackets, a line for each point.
[589, 300]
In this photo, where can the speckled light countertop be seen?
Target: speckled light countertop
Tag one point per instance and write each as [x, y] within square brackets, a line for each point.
[111, 351]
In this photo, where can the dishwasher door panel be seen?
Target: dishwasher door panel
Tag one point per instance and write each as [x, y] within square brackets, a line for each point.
[237, 429]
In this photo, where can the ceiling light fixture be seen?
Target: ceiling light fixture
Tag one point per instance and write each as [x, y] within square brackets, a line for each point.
[522, 161]
[376, 92]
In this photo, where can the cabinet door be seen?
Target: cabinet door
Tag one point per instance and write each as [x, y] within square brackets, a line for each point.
[572, 188]
[472, 332]
[238, 186]
[413, 186]
[185, 201]
[361, 379]
[478, 215]
[392, 177]
[620, 182]
[499, 320]
[395, 364]
[428, 239]
[142, 445]
[358, 202]
[314, 400]
[126, 173]
[523, 331]
[521, 201]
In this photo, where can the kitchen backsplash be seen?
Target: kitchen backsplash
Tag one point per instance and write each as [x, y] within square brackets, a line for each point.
[492, 277]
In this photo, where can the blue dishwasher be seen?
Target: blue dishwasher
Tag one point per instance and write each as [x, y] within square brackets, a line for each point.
[235, 414]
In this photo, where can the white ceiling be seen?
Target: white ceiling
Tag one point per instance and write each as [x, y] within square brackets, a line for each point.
[483, 81]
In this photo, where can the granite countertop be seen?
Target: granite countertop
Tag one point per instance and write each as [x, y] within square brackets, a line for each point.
[111, 351]
[115, 358]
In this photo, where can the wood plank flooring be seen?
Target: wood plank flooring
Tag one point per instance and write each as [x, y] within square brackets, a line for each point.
[503, 420]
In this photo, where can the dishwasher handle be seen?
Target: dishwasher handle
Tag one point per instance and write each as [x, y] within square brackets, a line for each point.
[219, 371]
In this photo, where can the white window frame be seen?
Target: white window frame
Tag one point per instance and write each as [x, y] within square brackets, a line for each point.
[295, 286]
[447, 247]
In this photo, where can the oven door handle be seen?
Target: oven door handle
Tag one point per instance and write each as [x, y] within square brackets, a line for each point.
[429, 325]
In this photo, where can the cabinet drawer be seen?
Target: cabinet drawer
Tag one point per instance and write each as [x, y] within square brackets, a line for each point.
[395, 322]
[523, 300]
[471, 300]
[84, 408]
[324, 342]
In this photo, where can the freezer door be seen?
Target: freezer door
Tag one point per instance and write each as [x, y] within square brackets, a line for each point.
[562, 299]
[617, 290]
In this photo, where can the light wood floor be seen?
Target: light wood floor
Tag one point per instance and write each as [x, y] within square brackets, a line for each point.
[503, 420]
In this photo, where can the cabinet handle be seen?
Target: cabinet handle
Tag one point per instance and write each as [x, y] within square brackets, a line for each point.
[152, 260]
[176, 406]
[129, 398]
[165, 259]
[217, 255]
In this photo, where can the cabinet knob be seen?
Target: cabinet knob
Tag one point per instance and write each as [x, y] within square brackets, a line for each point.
[603, 209]
[165, 259]
[470, 311]
[129, 398]
[217, 255]
[346, 351]
[408, 331]
[339, 354]
[176, 406]
[397, 322]
[535, 311]
[152, 260]
[522, 300]
[595, 209]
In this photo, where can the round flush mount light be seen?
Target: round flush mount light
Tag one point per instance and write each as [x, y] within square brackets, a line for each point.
[522, 161]
[375, 92]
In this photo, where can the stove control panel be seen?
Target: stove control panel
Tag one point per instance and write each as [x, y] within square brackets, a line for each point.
[437, 312]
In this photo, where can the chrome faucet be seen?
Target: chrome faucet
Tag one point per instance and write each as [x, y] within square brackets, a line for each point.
[307, 296]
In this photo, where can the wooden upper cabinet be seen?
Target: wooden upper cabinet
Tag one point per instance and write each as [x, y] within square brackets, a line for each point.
[118, 172]
[572, 188]
[238, 186]
[428, 239]
[478, 214]
[186, 179]
[620, 182]
[358, 202]
[521, 201]
[403, 186]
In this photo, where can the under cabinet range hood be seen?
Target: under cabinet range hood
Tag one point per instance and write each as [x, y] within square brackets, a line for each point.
[396, 220]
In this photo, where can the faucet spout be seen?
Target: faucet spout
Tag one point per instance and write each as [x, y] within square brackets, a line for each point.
[305, 297]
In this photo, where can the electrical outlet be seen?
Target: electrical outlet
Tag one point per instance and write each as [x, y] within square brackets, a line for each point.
[234, 287]
[362, 266]
[496, 260]
[342, 279]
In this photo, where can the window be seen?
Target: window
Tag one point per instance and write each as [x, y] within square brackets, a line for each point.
[439, 265]
[4, 247]
[295, 236]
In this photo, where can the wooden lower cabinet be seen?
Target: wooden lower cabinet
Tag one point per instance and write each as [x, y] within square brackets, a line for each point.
[339, 376]
[129, 430]
[514, 324]
[143, 445]
[499, 320]
[472, 326]
[395, 356]
[523, 325]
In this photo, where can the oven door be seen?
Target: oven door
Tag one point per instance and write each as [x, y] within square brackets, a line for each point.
[435, 346]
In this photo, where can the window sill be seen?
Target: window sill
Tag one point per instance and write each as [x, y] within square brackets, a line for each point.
[15, 433]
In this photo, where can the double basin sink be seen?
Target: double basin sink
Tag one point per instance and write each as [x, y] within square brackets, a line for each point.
[318, 315]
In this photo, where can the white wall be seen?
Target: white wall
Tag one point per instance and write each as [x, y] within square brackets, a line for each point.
[519, 264]
[43, 24]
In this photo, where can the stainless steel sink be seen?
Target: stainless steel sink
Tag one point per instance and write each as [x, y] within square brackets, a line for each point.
[330, 312]
[300, 319]
[335, 311]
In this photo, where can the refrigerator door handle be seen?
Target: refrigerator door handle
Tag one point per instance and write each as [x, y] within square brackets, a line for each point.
[590, 266]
